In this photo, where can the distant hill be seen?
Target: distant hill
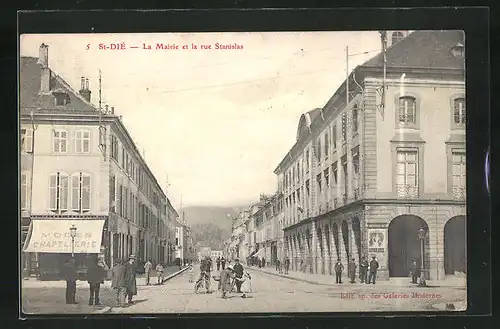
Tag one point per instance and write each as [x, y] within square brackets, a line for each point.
[211, 225]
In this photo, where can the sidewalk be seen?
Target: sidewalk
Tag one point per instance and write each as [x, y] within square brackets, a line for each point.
[329, 280]
[48, 297]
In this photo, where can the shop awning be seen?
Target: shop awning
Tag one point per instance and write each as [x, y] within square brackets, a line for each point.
[53, 236]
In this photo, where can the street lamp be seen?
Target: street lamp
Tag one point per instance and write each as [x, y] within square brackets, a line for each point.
[72, 231]
[421, 235]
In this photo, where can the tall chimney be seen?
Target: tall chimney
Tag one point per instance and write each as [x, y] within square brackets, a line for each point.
[84, 88]
[45, 74]
[112, 110]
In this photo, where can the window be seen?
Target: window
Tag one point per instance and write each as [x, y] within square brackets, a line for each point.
[355, 119]
[326, 173]
[326, 146]
[80, 192]
[60, 141]
[307, 161]
[82, 141]
[26, 140]
[61, 99]
[335, 173]
[318, 179]
[346, 177]
[459, 111]
[114, 147]
[407, 110]
[334, 137]
[112, 193]
[318, 149]
[308, 191]
[458, 174]
[407, 173]
[58, 191]
[344, 128]
[396, 37]
[24, 191]
[355, 163]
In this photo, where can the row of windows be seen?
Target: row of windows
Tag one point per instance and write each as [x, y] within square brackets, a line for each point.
[60, 141]
[66, 192]
[125, 161]
[407, 115]
[407, 180]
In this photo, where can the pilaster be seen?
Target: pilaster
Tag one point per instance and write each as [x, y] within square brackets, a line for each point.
[341, 246]
[326, 253]
[354, 243]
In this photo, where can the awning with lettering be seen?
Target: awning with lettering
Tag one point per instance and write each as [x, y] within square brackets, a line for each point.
[53, 236]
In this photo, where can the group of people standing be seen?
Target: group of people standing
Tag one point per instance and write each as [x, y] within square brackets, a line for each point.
[367, 270]
[285, 265]
[148, 267]
[220, 261]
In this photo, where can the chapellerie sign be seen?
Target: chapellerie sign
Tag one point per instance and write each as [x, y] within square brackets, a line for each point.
[53, 236]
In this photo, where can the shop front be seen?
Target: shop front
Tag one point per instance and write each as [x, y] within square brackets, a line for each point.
[53, 242]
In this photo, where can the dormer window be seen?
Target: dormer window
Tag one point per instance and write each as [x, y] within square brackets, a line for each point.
[396, 37]
[459, 111]
[61, 98]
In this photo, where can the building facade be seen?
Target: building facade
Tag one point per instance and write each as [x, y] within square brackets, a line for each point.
[381, 161]
[80, 163]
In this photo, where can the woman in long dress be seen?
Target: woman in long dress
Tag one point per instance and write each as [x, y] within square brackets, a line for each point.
[246, 285]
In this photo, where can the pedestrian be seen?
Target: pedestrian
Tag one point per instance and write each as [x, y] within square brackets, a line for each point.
[263, 262]
[205, 268]
[287, 265]
[69, 274]
[159, 273]
[238, 270]
[225, 281]
[352, 270]
[223, 262]
[415, 271]
[278, 267]
[191, 273]
[130, 278]
[246, 284]
[118, 282]
[339, 267]
[363, 270]
[147, 271]
[373, 270]
[217, 261]
[95, 276]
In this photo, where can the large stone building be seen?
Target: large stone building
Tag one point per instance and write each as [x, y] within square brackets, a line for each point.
[80, 165]
[381, 161]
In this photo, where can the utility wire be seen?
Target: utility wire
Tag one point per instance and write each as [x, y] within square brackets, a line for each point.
[269, 78]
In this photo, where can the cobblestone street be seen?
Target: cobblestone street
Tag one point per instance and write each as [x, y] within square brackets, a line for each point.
[276, 294]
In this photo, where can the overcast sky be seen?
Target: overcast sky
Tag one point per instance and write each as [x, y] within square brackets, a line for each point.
[217, 122]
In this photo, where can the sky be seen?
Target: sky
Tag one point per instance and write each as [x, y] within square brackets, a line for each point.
[213, 123]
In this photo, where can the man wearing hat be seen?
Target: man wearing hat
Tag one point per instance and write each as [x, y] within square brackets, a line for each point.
[238, 270]
[130, 275]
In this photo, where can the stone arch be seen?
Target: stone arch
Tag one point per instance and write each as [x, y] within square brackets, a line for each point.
[404, 245]
[455, 251]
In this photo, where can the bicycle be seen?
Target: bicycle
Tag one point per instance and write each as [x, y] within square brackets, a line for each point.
[203, 281]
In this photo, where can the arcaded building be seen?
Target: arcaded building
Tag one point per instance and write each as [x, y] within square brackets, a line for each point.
[381, 172]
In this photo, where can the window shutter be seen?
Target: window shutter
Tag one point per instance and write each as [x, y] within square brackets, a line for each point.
[78, 141]
[24, 191]
[64, 141]
[53, 192]
[63, 191]
[85, 192]
[75, 192]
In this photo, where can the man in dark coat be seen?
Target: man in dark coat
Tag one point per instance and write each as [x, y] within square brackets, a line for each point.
[363, 270]
[69, 274]
[278, 266]
[95, 275]
[223, 262]
[373, 270]
[352, 270]
[130, 278]
[339, 267]
[118, 282]
[287, 265]
[238, 270]
[415, 271]
[217, 261]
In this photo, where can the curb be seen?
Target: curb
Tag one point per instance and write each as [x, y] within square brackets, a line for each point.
[108, 309]
[292, 278]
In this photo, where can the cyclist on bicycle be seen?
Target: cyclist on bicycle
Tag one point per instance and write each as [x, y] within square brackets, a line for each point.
[205, 268]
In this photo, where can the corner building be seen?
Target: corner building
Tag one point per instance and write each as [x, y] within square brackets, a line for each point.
[370, 170]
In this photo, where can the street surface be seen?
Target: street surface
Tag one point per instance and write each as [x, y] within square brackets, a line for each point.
[276, 294]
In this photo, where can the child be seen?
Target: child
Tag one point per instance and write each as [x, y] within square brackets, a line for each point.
[191, 273]
[159, 273]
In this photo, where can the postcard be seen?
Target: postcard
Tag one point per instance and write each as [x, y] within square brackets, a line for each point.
[254, 172]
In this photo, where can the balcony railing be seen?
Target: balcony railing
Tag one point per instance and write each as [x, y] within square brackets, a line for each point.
[405, 191]
[459, 193]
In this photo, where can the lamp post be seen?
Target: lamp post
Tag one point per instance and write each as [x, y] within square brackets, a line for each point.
[421, 235]
[72, 231]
